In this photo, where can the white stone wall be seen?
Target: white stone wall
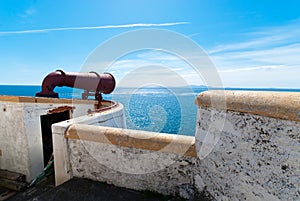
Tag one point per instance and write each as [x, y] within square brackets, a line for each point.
[128, 167]
[166, 173]
[63, 172]
[255, 158]
[20, 135]
[247, 149]
[13, 142]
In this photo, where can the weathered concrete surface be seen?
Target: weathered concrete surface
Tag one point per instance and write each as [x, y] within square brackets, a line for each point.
[13, 142]
[162, 142]
[281, 105]
[244, 151]
[249, 157]
[133, 159]
[20, 131]
[27, 99]
[169, 174]
[113, 117]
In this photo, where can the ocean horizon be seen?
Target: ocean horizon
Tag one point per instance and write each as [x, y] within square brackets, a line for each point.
[158, 109]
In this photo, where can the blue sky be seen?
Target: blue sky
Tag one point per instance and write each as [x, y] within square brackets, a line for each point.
[252, 43]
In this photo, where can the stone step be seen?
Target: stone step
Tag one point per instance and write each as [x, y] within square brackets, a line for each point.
[10, 183]
[5, 174]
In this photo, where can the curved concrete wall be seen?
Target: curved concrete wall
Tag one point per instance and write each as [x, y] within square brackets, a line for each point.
[246, 148]
[113, 117]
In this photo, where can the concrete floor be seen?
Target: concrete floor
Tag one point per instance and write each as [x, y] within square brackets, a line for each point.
[83, 189]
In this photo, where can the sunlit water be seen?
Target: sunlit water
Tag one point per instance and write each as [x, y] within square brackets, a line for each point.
[166, 110]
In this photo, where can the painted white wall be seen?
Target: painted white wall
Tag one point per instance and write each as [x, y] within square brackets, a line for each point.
[114, 117]
[13, 140]
[21, 138]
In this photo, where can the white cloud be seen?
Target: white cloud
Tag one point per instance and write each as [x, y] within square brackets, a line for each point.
[257, 78]
[266, 37]
[257, 68]
[92, 27]
[152, 66]
[266, 58]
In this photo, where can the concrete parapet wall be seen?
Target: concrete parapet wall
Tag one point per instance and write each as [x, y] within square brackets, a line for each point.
[61, 149]
[160, 142]
[251, 146]
[133, 159]
[247, 147]
[279, 105]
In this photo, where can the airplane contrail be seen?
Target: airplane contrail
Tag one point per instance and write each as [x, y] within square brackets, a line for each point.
[92, 27]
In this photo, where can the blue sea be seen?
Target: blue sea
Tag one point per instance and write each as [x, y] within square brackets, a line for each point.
[158, 109]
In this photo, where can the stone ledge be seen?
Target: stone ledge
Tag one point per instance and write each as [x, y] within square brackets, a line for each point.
[281, 105]
[168, 143]
[27, 99]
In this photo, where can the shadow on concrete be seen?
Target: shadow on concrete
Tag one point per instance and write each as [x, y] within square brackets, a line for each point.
[82, 189]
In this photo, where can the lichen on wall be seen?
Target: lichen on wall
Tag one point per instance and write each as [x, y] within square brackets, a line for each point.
[255, 158]
[161, 172]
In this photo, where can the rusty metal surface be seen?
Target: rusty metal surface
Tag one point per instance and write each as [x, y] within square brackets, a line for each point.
[105, 105]
[93, 83]
[60, 109]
